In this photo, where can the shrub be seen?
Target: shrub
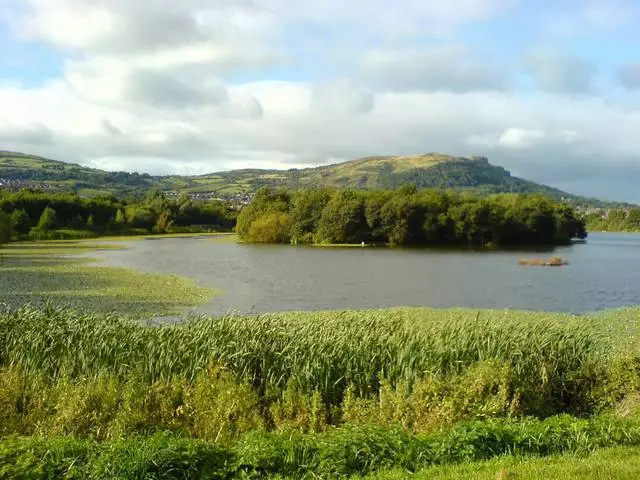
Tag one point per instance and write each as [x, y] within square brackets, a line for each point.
[273, 228]
[223, 408]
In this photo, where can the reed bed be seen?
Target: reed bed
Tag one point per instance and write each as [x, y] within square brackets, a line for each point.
[550, 359]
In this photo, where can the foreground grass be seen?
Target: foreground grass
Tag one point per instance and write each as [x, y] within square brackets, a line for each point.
[622, 463]
[313, 395]
[51, 271]
[338, 453]
[415, 368]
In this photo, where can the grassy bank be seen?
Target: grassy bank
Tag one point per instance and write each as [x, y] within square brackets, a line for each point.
[338, 453]
[418, 368]
[622, 463]
[314, 395]
[52, 271]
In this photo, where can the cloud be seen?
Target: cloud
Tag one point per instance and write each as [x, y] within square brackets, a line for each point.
[110, 128]
[386, 17]
[561, 72]
[342, 97]
[27, 135]
[629, 76]
[610, 14]
[521, 138]
[514, 138]
[123, 26]
[447, 69]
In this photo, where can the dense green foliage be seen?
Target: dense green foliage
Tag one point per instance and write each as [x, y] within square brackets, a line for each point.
[614, 220]
[441, 366]
[6, 228]
[335, 454]
[406, 217]
[295, 395]
[40, 215]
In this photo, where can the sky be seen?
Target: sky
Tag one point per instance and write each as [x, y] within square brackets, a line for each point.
[548, 89]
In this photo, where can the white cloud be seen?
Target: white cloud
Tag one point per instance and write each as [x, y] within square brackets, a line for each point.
[30, 135]
[341, 97]
[453, 68]
[521, 138]
[559, 72]
[629, 76]
[390, 17]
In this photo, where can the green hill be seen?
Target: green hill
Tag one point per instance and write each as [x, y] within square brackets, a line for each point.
[430, 170]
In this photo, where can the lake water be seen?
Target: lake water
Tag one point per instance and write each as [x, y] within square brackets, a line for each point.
[603, 273]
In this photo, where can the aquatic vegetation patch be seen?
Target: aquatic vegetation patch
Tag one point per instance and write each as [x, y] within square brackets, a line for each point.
[53, 272]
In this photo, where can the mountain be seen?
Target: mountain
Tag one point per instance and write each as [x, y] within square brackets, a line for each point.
[474, 174]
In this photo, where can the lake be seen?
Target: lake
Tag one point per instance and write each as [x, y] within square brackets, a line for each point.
[603, 273]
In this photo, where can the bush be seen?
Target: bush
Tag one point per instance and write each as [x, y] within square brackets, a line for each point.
[223, 407]
[48, 219]
[44, 459]
[273, 228]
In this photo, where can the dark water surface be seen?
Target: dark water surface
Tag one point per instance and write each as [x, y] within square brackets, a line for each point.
[604, 272]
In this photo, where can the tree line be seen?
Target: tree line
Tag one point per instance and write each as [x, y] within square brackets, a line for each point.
[406, 216]
[614, 220]
[37, 214]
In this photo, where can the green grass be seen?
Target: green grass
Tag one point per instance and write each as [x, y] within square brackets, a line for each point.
[226, 238]
[533, 363]
[622, 463]
[339, 453]
[50, 271]
[315, 395]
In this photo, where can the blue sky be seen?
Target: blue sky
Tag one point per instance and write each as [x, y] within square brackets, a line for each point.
[548, 89]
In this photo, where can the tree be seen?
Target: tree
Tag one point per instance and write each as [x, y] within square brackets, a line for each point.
[48, 219]
[633, 218]
[156, 201]
[164, 222]
[21, 221]
[408, 217]
[265, 201]
[78, 223]
[343, 220]
[272, 228]
[402, 219]
[6, 228]
[91, 223]
[306, 210]
[120, 217]
[140, 217]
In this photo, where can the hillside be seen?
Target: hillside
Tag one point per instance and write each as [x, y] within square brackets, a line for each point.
[425, 171]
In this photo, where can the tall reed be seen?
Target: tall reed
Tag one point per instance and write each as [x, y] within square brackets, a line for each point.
[550, 357]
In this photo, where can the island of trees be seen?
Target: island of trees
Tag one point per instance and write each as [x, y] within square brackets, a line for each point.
[37, 215]
[406, 216]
